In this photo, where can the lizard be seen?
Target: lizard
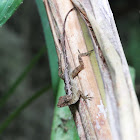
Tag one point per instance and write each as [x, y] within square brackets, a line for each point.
[73, 94]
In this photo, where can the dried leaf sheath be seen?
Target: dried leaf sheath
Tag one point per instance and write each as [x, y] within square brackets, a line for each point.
[91, 120]
[87, 81]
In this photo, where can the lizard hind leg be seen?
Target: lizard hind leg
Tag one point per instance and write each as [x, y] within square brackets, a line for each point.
[81, 66]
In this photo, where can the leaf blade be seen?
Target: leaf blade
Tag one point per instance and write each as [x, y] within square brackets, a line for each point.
[7, 8]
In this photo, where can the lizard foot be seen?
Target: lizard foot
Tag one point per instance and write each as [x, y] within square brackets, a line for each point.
[86, 97]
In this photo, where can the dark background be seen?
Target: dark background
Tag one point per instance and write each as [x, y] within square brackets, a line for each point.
[20, 40]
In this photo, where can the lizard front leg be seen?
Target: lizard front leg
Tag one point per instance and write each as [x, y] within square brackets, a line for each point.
[83, 96]
[81, 66]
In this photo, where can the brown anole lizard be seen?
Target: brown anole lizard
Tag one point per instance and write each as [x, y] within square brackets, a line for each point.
[72, 92]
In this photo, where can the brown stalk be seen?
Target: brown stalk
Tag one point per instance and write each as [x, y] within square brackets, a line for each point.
[90, 116]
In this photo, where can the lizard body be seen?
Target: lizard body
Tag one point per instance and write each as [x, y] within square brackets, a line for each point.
[73, 93]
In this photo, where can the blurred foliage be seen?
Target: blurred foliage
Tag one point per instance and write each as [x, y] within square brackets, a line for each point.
[18, 81]
[7, 8]
[133, 50]
[10, 53]
[21, 107]
[11, 90]
[127, 16]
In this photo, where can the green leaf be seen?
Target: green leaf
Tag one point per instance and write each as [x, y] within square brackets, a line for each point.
[53, 61]
[133, 74]
[63, 127]
[7, 8]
